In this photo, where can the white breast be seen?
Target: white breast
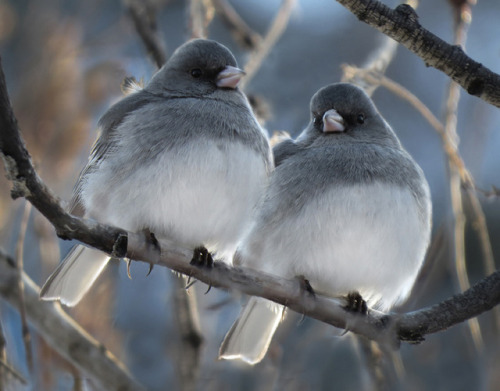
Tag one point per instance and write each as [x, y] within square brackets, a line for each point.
[201, 194]
[366, 238]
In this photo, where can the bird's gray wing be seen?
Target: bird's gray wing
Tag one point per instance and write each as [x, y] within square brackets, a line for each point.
[106, 140]
[284, 150]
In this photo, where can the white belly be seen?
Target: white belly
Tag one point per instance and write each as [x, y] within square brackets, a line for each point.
[366, 238]
[195, 196]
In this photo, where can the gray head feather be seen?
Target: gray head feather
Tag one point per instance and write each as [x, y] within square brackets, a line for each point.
[192, 70]
[363, 122]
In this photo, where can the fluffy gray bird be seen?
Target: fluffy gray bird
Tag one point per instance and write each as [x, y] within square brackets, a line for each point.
[183, 158]
[347, 208]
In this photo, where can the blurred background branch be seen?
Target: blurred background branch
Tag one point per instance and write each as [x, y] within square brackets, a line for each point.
[20, 288]
[200, 14]
[240, 31]
[462, 19]
[274, 33]
[63, 333]
[143, 15]
[6, 370]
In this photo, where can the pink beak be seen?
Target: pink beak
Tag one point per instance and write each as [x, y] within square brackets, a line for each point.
[229, 77]
[333, 122]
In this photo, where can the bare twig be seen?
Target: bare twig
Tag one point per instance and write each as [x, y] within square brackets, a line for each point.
[480, 227]
[63, 333]
[20, 286]
[243, 34]
[479, 224]
[384, 366]
[277, 28]
[201, 13]
[3, 356]
[191, 339]
[368, 76]
[401, 24]
[493, 193]
[144, 18]
[5, 368]
[460, 31]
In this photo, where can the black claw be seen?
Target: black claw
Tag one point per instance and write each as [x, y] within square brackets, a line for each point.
[150, 236]
[305, 285]
[208, 290]
[302, 318]
[129, 261]
[151, 265]
[190, 283]
[153, 239]
[355, 303]
[201, 257]
[309, 288]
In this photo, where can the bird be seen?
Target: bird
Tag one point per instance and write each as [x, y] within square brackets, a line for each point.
[183, 158]
[347, 210]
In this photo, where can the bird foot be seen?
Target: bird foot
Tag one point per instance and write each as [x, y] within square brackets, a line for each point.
[129, 262]
[201, 257]
[356, 303]
[151, 238]
[413, 337]
[305, 285]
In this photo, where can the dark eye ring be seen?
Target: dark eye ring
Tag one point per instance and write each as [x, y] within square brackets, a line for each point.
[196, 73]
[360, 118]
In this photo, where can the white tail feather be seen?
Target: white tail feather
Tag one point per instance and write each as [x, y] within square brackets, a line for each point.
[250, 336]
[74, 276]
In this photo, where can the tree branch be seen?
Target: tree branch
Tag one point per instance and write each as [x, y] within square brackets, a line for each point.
[401, 24]
[481, 297]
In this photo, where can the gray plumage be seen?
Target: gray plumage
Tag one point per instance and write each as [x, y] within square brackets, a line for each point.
[347, 208]
[183, 158]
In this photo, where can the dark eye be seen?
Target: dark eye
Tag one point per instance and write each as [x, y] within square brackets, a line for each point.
[317, 120]
[196, 73]
[360, 118]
